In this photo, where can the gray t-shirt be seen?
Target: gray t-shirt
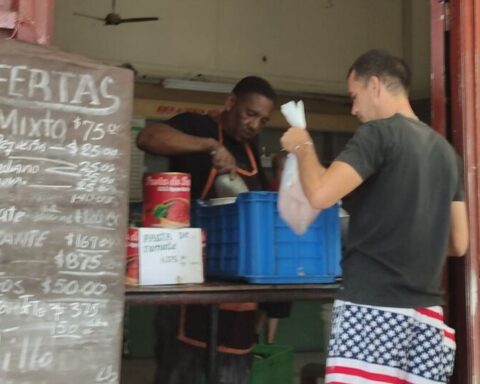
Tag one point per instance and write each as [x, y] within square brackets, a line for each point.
[400, 215]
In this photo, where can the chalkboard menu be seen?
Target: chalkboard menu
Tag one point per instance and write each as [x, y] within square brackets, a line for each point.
[64, 161]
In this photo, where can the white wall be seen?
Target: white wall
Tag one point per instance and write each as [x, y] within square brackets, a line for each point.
[300, 45]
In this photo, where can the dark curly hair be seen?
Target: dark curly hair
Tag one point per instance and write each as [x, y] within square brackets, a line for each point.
[254, 84]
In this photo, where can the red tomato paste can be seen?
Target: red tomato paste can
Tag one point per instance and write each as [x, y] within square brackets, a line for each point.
[132, 271]
[166, 200]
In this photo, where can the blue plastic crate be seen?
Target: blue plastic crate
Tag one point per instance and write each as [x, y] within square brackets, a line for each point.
[248, 240]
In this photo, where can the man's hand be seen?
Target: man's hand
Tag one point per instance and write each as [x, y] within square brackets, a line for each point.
[294, 138]
[222, 160]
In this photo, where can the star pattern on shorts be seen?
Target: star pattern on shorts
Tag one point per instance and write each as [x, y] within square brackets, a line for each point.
[391, 339]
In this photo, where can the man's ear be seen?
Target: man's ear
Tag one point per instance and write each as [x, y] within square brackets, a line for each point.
[230, 102]
[375, 86]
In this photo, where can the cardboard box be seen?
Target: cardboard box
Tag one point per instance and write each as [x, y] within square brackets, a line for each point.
[170, 256]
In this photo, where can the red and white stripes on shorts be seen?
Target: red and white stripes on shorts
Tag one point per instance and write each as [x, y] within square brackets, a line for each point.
[371, 344]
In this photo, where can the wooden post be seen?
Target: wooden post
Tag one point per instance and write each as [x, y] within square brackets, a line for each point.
[465, 135]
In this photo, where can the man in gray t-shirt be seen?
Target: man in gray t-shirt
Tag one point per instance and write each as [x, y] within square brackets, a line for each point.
[402, 185]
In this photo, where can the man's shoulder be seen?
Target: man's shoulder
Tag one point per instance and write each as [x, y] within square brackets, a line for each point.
[193, 124]
[392, 121]
[396, 126]
[192, 117]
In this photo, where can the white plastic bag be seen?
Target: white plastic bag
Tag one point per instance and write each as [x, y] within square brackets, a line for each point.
[293, 206]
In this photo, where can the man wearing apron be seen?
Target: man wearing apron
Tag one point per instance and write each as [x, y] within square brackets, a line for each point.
[205, 146]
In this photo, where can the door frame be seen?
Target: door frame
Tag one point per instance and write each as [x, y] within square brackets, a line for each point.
[455, 58]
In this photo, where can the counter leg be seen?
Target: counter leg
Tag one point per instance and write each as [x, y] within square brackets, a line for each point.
[212, 372]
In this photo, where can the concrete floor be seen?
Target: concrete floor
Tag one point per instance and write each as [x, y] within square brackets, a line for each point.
[140, 371]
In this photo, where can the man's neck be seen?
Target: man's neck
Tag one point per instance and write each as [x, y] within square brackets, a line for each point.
[401, 106]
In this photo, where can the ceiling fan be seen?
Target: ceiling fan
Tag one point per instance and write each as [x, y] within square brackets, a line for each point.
[114, 18]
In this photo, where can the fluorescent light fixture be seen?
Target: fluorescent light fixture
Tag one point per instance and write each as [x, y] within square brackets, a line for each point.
[197, 85]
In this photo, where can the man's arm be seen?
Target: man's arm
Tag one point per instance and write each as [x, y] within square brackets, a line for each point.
[162, 139]
[459, 238]
[322, 186]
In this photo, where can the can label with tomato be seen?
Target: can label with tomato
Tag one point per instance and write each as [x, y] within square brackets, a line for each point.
[132, 271]
[166, 200]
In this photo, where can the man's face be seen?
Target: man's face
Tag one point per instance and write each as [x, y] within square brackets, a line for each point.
[247, 115]
[362, 98]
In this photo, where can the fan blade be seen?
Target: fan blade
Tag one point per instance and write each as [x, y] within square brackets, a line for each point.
[89, 16]
[138, 19]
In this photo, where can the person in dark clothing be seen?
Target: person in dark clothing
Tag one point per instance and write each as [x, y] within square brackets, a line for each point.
[403, 189]
[278, 163]
[206, 146]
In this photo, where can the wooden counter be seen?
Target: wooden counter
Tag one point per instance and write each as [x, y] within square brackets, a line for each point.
[219, 292]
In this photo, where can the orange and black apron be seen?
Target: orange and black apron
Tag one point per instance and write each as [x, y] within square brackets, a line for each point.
[236, 321]
[250, 177]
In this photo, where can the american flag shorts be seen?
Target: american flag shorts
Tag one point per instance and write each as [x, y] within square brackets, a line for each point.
[370, 344]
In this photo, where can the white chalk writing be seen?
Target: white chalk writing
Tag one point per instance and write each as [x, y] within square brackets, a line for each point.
[32, 88]
[34, 238]
[63, 157]
[11, 214]
[45, 127]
